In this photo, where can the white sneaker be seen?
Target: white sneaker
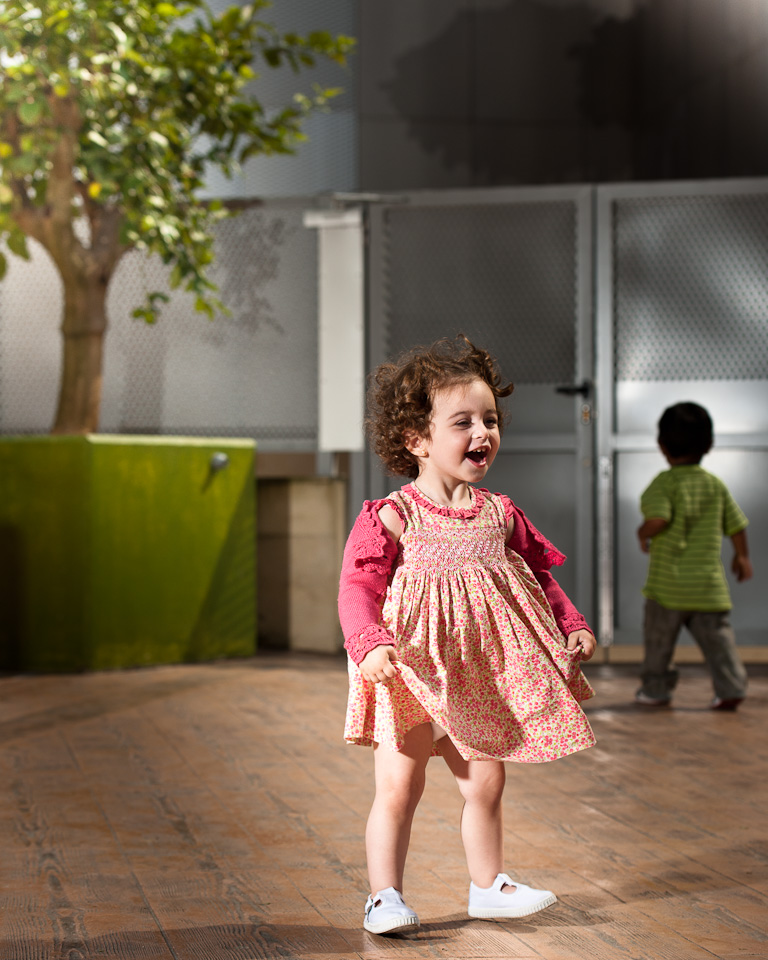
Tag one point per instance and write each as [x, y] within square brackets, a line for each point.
[386, 912]
[491, 902]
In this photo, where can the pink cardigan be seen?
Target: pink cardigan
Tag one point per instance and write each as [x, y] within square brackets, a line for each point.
[369, 558]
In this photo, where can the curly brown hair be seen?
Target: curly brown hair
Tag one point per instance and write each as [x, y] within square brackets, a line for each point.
[401, 394]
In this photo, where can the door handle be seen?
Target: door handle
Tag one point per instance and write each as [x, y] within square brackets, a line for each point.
[576, 389]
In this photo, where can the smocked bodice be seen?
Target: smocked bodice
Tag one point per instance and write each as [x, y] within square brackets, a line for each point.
[438, 538]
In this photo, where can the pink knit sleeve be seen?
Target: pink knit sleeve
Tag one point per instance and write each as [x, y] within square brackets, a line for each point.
[528, 542]
[369, 556]
[540, 555]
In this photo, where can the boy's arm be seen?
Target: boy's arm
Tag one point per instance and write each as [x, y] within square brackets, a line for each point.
[741, 564]
[657, 507]
[648, 530]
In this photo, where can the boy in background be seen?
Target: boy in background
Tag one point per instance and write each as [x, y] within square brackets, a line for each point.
[687, 512]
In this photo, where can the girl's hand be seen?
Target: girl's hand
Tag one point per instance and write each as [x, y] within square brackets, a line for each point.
[377, 666]
[583, 642]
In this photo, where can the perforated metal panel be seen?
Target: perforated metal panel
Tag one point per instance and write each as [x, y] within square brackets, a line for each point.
[505, 275]
[682, 316]
[328, 159]
[31, 296]
[691, 288]
[510, 268]
[252, 374]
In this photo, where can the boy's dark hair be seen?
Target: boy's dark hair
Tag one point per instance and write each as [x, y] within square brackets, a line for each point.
[401, 393]
[685, 430]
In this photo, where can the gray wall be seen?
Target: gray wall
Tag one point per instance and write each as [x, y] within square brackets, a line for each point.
[457, 93]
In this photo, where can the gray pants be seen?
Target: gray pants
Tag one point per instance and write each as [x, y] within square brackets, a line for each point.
[715, 637]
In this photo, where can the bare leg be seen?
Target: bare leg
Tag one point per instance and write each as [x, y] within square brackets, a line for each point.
[481, 784]
[400, 778]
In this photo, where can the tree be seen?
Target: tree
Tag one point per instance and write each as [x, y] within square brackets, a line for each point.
[110, 113]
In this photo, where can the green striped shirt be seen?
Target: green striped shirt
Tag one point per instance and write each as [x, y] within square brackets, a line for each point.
[685, 571]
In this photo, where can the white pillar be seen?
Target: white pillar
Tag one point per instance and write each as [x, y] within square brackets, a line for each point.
[341, 328]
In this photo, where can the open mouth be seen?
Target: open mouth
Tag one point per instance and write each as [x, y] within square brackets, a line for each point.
[478, 457]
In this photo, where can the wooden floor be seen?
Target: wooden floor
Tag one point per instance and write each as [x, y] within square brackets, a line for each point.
[214, 813]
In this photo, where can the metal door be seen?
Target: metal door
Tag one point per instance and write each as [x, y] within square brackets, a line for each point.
[682, 314]
[511, 269]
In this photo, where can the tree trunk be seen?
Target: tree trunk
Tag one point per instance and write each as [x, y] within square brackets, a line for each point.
[83, 330]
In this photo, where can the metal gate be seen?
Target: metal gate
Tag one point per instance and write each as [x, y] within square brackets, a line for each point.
[511, 269]
[682, 314]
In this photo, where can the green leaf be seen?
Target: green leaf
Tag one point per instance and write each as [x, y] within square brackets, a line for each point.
[3, 265]
[167, 10]
[176, 277]
[168, 231]
[158, 138]
[30, 111]
[17, 243]
[15, 94]
[147, 314]
[56, 17]
[117, 32]
[202, 306]
[95, 137]
[21, 165]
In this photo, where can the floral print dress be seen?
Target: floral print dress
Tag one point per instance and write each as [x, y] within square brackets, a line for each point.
[479, 651]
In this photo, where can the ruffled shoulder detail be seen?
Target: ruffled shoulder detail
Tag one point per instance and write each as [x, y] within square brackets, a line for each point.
[509, 507]
[391, 500]
[538, 552]
[462, 514]
[372, 547]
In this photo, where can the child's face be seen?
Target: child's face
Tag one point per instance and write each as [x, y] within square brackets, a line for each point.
[464, 434]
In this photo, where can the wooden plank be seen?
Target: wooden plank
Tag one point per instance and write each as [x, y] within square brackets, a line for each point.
[65, 887]
[213, 812]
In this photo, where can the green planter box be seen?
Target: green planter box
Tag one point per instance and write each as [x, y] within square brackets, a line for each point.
[121, 551]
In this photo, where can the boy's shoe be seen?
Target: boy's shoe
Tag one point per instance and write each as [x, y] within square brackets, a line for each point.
[726, 704]
[386, 912]
[491, 902]
[642, 697]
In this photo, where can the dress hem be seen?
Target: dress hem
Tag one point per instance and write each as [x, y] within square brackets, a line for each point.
[577, 748]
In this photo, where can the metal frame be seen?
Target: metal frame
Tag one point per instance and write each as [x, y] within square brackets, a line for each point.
[609, 443]
[581, 441]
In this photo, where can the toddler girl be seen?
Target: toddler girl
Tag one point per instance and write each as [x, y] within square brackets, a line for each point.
[461, 643]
